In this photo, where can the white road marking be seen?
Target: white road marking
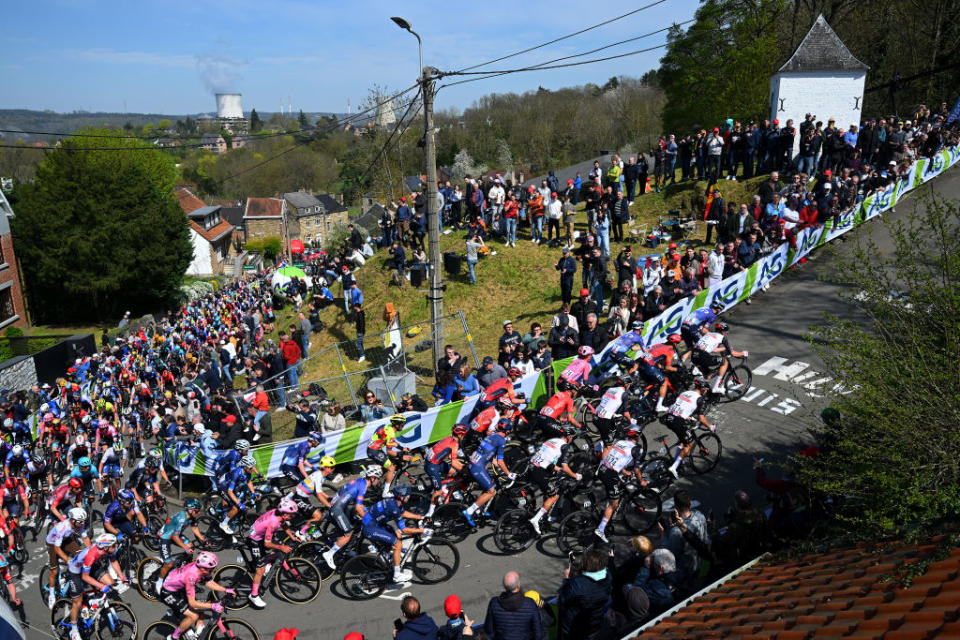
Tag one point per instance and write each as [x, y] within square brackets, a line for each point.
[399, 597]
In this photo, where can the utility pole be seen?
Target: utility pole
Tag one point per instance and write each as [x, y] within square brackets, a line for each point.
[433, 216]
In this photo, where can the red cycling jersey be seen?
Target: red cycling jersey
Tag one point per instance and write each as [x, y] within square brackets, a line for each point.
[559, 406]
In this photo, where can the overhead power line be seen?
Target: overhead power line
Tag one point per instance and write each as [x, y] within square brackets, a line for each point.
[569, 35]
[386, 144]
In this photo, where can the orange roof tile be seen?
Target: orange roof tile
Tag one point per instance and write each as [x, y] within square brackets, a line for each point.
[188, 202]
[844, 593]
[215, 232]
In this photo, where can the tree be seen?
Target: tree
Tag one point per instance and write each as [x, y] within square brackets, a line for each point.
[255, 122]
[99, 232]
[302, 120]
[894, 455]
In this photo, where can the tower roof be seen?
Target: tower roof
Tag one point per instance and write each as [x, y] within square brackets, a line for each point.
[822, 50]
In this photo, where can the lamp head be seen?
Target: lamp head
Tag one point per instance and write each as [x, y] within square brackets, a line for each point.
[400, 22]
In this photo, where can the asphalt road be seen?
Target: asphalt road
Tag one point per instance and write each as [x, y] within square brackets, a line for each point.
[789, 390]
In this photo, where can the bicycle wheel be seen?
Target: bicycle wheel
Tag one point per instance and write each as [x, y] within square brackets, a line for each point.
[234, 629]
[576, 531]
[583, 441]
[513, 532]
[234, 577]
[60, 618]
[116, 621]
[216, 539]
[641, 510]
[705, 453]
[151, 540]
[147, 574]
[364, 577]
[129, 561]
[516, 456]
[299, 581]
[434, 561]
[737, 381]
[449, 523]
[588, 418]
[19, 555]
[313, 551]
[656, 471]
[158, 631]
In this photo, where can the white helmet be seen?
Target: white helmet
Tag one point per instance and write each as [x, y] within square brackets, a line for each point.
[86, 420]
[105, 540]
[8, 423]
[44, 407]
[17, 450]
[373, 472]
[248, 462]
[77, 514]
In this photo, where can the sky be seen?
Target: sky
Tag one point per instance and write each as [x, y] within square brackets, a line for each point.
[170, 57]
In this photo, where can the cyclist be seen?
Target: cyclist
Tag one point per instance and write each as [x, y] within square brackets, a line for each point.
[623, 456]
[79, 449]
[179, 592]
[490, 448]
[609, 407]
[236, 484]
[353, 494]
[228, 461]
[63, 540]
[711, 353]
[380, 515]
[578, 371]
[552, 456]
[383, 447]
[687, 407]
[8, 578]
[93, 559]
[85, 472]
[120, 513]
[12, 493]
[697, 324]
[172, 531]
[14, 461]
[437, 466]
[111, 465]
[312, 485]
[262, 547]
[501, 388]
[663, 356]
[145, 481]
[300, 459]
[20, 431]
[559, 409]
[106, 435]
[39, 478]
[66, 496]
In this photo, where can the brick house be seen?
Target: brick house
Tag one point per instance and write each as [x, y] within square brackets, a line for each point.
[12, 310]
[213, 142]
[264, 217]
[210, 235]
[310, 217]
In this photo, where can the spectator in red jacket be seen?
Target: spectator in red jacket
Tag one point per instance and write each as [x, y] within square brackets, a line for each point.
[291, 356]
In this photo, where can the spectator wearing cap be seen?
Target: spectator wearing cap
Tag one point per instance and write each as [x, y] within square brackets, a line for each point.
[511, 615]
[583, 307]
[490, 371]
[416, 624]
[458, 624]
[554, 216]
[511, 342]
[567, 266]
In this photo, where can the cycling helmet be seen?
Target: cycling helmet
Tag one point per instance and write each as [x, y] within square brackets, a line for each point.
[17, 450]
[80, 439]
[287, 506]
[717, 306]
[460, 430]
[75, 483]
[401, 491]
[585, 351]
[118, 446]
[374, 472]
[151, 463]
[241, 445]
[316, 436]
[10, 483]
[47, 417]
[505, 424]
[8, 423]
[564, 385]
[44, 408]
[77, 514]
[191, 504]
[514, 372]
[722, 326]
[504, 403]
[127, 496]
[701, 383]
[636, 325]
[38, 457]
[632, 433]
[397, 419]
[86, 420]
[156, 452]
[84, 461]
[248, 462]
[106, 540]
[327, 462]
[674, 338]
[207, 560]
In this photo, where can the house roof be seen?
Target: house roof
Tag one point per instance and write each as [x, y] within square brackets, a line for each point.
[301, 199]
[204, 211]
[188, 202]
[264, 208]
[233, 215]
[330, 204]
[211, 138]
[855, 592]
[822, 50]
[214, 233]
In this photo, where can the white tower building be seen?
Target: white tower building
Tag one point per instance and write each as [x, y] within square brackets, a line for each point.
[821, 78]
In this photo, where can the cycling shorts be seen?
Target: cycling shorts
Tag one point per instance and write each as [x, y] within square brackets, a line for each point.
[551, 427]
[304, 506]
[13, 508]
[611, 483]
[679, 427]
[376, 533]
[112, 471]
[482, 476]
[259, 553]
[75, 584]
[340, 518]
[650, 373]
[166, 555]
[546, 479]
[292, 472]
[36, 482]
[126, 528]
[436, 473]
[690, 335]
[175, 600]
[379, 456]
[706, 361]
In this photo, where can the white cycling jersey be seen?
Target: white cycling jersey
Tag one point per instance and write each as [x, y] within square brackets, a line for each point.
[610, 403]
[620, 456]
[686, 404]
[548, 453]
[709, 342]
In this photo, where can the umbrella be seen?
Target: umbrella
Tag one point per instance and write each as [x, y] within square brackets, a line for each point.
[292, 272]
[296, 246]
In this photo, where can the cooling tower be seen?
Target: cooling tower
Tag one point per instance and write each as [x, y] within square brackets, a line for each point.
[228, 105]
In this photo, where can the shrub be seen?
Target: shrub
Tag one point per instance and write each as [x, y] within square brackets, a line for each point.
[13, 332]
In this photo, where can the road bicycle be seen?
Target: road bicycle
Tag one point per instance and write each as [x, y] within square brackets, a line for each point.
[100, 617]
[432, 560]
[638, 509]
[702, 459]
[148, 568]
[219, 628]
[736, 380]
[292, 578]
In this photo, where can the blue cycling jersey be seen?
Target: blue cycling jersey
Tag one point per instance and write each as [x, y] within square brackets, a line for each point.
[700, 317]
[383, 512]
[227, 461]
[626, 342]
[239, 477]
[116, 513]
[491, 446]
[85, 476]
[13, 458]
[352, 492]
[302, 451]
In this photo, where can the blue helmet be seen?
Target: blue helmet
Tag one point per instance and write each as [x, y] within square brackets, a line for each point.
[127, 496]
[401, 491]
[84, 461]
[505, 424]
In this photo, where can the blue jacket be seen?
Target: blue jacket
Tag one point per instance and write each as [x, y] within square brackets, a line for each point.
[582, 601]
[420, 628]
[513, 616]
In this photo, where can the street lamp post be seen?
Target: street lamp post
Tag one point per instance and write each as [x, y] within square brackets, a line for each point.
[433, 213]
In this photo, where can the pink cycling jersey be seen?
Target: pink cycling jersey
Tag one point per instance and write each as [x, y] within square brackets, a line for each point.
[577, 371]
[185, 578]
[262, 530]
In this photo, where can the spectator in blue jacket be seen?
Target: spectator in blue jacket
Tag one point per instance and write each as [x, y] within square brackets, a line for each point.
[467, 382]
[583, 595]
[416, 625]
[750, 250]
[511, 615]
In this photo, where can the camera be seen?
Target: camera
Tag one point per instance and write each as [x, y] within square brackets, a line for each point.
[398, 624]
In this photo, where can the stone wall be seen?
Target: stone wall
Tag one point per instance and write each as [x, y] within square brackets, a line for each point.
[18, 373]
